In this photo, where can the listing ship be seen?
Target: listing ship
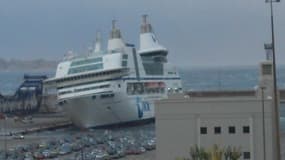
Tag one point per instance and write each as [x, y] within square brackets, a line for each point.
[117, 85]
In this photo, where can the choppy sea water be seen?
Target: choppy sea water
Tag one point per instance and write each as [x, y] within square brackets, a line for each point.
[229, 78]
[232, 78]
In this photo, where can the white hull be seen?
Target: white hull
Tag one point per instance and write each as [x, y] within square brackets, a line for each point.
[87, 112]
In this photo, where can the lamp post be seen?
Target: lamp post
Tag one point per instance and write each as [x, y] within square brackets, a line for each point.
[5, 138]
[275, 109]
[263, 122]
[4, 118]
[82, 154]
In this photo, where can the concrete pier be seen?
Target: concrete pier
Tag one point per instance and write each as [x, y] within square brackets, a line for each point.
[14, 125]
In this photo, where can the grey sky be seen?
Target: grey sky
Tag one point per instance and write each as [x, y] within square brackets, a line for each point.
[196, 32]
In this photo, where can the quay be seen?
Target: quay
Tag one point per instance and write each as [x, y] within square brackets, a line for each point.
[39, 122]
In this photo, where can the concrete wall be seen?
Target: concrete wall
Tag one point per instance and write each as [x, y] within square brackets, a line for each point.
[178, 122]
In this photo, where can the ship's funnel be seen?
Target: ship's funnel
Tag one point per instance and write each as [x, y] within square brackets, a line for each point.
[148, 40]
[98, 43]
[115, 41]
[115, 33]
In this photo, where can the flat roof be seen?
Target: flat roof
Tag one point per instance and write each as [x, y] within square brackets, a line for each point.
[221, 93]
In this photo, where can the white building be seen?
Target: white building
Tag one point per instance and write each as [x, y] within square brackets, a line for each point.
[232, 118]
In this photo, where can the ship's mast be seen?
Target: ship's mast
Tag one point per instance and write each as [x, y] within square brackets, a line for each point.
[98, 43]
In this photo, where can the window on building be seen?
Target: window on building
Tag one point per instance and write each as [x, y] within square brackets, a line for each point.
[203, 130]
[217, 130]
[232, 130]
[246, 155]
[267, 69]
[246, 129]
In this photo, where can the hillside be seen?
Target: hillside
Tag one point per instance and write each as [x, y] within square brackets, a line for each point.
[23, 65]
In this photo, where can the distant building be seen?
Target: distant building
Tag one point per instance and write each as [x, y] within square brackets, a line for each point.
[229, 118]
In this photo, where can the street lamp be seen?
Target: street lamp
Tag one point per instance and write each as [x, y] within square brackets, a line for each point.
[275, 109]
[263, 122]
[5, 138]
[4, 118]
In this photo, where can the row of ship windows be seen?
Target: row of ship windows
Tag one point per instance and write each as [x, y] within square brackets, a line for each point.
[86, 61]
[132, 88]
[91, 67]
[231, 130]
[87, 76]
[145, 88]
[125, 56]
[99, 64]
[111, 95]
[83, 89]
[85, 68]
[102, 96]
[93, 60]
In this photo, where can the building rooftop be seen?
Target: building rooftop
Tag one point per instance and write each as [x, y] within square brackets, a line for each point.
[225, 93]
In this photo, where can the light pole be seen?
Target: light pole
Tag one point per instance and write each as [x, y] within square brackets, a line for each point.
[263, 122]
[275, 109]
[4, 118]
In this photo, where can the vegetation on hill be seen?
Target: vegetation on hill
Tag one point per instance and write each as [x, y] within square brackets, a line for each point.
[214, 153]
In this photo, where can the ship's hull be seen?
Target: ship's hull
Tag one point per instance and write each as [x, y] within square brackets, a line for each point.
[88, 111]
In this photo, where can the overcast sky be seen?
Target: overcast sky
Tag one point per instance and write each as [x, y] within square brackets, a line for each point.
[196, 32]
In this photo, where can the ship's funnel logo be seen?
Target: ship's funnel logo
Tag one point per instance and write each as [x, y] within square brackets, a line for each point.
[142, 106]
[154, 40]
[139, 107]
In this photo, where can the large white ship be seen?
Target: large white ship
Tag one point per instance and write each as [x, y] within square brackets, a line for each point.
[117, 85]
